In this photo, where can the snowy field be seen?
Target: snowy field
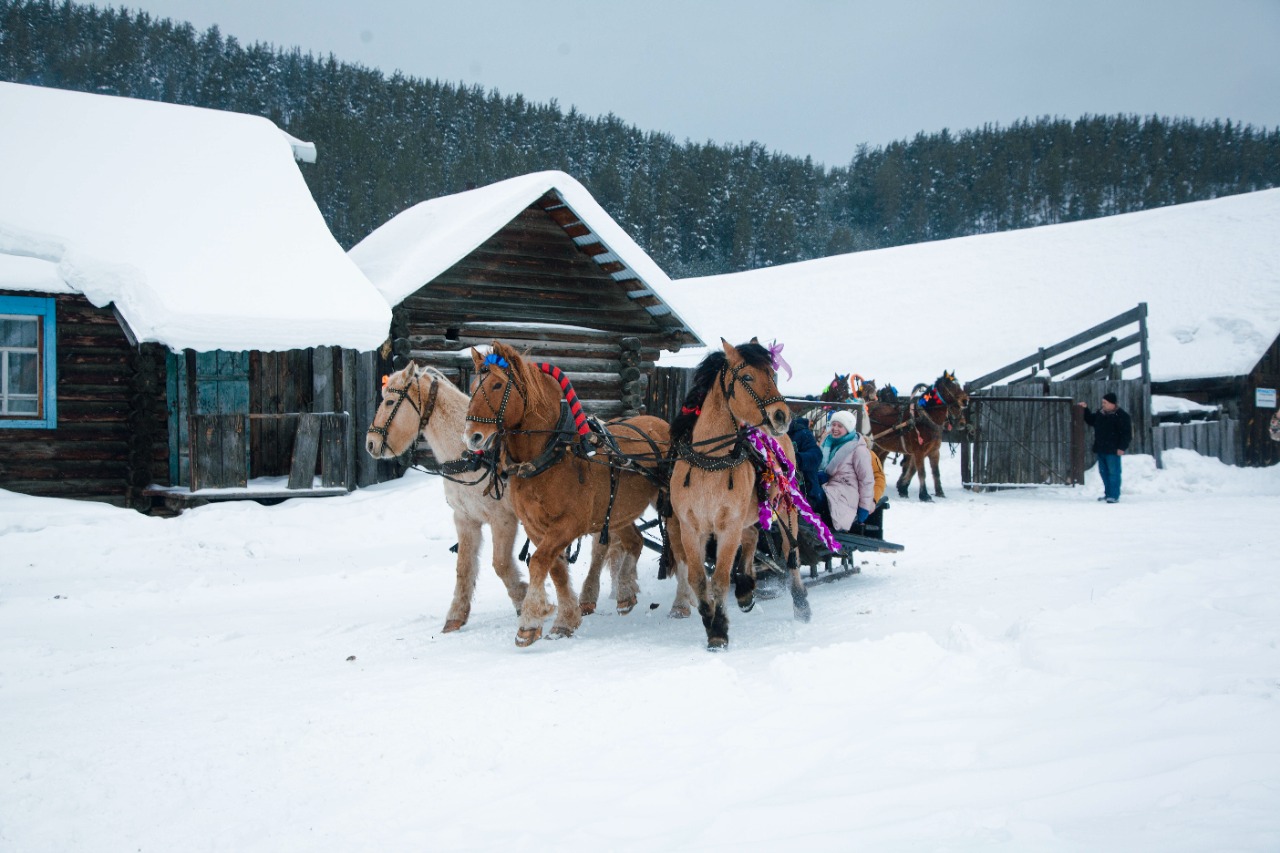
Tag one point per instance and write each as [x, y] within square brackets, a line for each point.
[1037, 671]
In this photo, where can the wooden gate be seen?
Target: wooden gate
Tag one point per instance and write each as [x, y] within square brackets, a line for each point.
[1022, 441]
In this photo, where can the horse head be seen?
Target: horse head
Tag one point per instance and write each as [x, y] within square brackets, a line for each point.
[837, 391]
[867, 391]
[956, 398]
[408, 401]
[750, 366]
[499, 395]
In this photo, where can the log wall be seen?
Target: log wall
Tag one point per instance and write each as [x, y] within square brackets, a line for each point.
[111, 438]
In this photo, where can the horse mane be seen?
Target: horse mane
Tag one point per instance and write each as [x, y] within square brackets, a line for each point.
[528, 375]
[704, 375]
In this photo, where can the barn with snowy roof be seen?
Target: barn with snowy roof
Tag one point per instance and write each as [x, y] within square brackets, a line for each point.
[533, 261]
[1208, 273]
[176, 318]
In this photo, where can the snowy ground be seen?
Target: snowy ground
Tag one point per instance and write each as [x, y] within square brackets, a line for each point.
[1037, 671]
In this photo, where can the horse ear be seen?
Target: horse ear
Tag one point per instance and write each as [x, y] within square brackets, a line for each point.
[730, 351]
[754, 339]
[477, 359]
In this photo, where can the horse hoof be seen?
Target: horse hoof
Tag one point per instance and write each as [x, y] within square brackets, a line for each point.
[679, 611]
[452, 625]
[560, 632]
[626, 606]
[587, 608]
[748, 605]
[527, 636]
[718, 644]
[926, 499]
[802, 614]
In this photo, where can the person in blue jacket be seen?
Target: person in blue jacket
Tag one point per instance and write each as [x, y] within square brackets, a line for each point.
[808, 461]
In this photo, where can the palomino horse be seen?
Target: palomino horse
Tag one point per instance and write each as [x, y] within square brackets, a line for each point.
[561, 488]
[714, 480]
[422, 401]
[915, 428]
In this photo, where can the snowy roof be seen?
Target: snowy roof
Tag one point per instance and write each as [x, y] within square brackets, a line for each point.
[195, 223]
[1209, 273]
[420, 243]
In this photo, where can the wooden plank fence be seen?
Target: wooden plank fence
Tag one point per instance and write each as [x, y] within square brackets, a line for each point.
[1027, 434]
[1219, 439]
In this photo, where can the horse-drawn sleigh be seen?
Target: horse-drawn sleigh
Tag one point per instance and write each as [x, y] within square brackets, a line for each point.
[719, 473]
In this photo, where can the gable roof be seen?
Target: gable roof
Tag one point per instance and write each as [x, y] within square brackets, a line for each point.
[1208, 271]
[195, 223]
[422, 242]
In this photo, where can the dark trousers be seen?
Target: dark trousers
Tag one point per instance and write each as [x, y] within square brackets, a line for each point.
[1109, 471]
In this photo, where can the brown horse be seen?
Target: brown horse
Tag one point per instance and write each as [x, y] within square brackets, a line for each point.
[914, 429]
[714, 481]
[951, 415]
[559, 491]
[421, 401]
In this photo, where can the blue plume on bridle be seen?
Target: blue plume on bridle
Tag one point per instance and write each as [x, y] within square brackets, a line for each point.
[494, 358]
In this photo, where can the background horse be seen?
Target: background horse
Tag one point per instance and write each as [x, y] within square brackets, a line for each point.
[950, 414]
[421, 401]
[714, 482]
[915, 428]
[559, 492]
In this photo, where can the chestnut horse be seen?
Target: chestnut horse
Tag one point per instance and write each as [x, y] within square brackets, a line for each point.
[915, 428]
[421, 401]
[563, 484]
[714, 479]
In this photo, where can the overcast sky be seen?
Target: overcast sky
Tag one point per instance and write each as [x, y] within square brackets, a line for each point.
[804, 77]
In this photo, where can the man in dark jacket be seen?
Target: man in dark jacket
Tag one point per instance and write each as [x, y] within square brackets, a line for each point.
[808, 460]
[1112, 431]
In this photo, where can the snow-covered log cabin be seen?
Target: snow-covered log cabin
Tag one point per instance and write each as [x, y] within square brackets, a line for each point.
[533, 261]
[174, 311]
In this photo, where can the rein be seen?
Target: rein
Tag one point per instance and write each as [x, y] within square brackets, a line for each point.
[727, 388]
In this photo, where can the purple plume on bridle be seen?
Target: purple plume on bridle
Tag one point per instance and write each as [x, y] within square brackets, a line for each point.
[775, 356]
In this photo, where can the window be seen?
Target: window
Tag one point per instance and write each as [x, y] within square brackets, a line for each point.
[27, 349]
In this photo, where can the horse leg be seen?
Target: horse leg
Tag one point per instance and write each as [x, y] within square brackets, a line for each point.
[695, 549]
[467, 567]
[536, 608]
[590, 594]
[568, 611]
[933, 465]
[799, 592]
[714, 617]
[744, 571]
[624, 554]
[917, 462]
[685, 599]
[904, 479]
[505, 530]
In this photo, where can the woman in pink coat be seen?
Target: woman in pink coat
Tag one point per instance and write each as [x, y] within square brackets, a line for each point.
[847, 476]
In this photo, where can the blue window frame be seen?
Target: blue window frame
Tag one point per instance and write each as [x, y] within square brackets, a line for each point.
[28, 355]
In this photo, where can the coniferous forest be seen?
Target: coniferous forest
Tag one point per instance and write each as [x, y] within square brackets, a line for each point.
[388, 142]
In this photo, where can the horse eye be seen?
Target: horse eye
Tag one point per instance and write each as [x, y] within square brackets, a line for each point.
[497, 386]
[747, 377]
[386, 402]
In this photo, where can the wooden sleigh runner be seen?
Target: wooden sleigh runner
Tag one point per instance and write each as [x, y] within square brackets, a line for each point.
[824, 565]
